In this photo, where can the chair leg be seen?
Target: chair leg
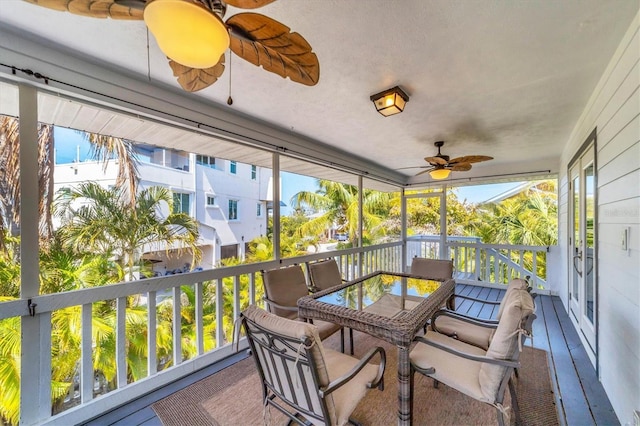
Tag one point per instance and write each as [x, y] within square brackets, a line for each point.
[351, 339]
[412, 374]
[342, 340]
[435, 383]
[500, 417]
[514, 402]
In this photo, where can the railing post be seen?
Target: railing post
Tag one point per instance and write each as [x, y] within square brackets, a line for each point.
[35, 357]
[478, 266]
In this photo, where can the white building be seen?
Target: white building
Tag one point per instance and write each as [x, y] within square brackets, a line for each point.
[227, 198]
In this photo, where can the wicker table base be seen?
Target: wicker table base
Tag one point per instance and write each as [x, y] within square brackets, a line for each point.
[398, 330]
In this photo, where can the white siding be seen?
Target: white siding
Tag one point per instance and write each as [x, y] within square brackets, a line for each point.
[614, 108]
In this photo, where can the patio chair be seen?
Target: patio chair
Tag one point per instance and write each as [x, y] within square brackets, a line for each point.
[432, 269]
[472, 330]
[481, 374]
[323, 386]
[323, 274]
[283, 287]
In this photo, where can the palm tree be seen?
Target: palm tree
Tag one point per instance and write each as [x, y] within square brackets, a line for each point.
[104, 148]
[338, 205]
[105, 223]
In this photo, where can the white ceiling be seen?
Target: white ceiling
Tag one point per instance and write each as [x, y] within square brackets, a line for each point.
[507, 79]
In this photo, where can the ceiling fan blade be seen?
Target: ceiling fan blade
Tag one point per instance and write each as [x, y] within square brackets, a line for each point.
[248, 4]
[268, 43]
[436, 161]
[470, 159]
[194, 79]
[460, 167]
[93, 9]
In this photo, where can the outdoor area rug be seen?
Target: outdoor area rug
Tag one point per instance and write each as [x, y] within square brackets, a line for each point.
[233, 396]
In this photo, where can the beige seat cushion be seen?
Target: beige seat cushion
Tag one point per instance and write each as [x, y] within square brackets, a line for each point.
[324, 274]
[505, 341]
[456, 372]
[465, 331]
[516, 283]
[347, 397]
[285, 286]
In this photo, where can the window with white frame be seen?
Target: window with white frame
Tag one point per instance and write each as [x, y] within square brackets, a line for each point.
[211, 201]
[254, 172]
[181, 202]
[205, 160]
[258, 209]
[233, 167]
[233, 210]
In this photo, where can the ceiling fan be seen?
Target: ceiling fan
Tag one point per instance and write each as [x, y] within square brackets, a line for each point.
[188, 29]
[440, 166]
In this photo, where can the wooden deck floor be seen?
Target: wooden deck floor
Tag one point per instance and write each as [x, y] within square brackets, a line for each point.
[580, 398]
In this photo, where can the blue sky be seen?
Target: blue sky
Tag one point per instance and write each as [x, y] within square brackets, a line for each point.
[70, 143]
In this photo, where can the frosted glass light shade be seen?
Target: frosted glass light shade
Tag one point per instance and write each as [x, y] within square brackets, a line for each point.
[440, 173]
[390, 101]
[186, 32]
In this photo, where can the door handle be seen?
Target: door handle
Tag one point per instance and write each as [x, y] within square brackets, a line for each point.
[575, 266]
[590, 264]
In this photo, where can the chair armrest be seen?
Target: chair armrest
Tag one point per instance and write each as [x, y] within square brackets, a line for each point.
[377, 382]
[461, 317]
[489, 302]
[276, 305]
[486, 359]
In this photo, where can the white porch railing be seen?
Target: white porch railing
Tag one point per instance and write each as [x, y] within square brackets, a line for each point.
[223, 292]
[485, 264]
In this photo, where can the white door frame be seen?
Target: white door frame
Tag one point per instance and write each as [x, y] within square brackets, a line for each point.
[582, 245]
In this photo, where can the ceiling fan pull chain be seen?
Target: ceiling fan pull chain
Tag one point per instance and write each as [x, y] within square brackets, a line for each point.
[230, 100]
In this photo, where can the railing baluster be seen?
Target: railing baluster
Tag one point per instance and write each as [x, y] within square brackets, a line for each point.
[236, 297]
[199, 291]
[534, 269]
[152, 330]
[252, 288]
[121, 341]
[86, 350]
[219, 314]
[177, 326]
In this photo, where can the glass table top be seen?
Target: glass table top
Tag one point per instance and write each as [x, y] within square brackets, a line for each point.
[385, 294]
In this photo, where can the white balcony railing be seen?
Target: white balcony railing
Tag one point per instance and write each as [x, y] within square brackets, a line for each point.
[485, 264]
[212, 299]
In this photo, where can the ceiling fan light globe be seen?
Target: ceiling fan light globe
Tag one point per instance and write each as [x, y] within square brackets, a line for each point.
[187, 33]
[439, 174]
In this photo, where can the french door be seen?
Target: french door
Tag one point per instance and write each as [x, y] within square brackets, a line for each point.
[582, 245]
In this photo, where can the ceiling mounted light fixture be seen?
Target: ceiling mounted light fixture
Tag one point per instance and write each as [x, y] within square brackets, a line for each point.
[390, 101]
[439, 173]
[187, 32]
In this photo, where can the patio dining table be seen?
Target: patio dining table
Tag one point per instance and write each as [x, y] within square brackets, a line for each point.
[389, 305]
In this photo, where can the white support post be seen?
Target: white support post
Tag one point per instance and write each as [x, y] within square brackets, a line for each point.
[152, 358]
[443, 224]
[35, 357]
[276, 205]
[403, 231]
[360, 225]
[86, 363]
[177, 326]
